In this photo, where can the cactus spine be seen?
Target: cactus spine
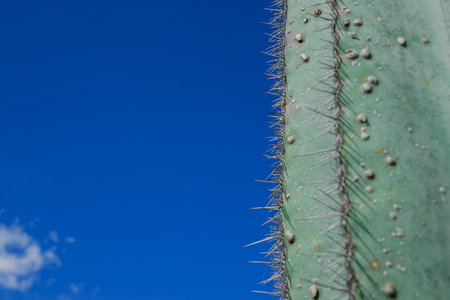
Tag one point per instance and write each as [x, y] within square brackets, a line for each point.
[362, 150]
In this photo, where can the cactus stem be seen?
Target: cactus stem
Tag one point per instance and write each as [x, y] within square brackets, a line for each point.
[338, 230]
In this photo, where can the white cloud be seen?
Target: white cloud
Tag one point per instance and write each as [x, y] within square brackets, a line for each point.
[21, 258]
[70, 239]
[53, 236]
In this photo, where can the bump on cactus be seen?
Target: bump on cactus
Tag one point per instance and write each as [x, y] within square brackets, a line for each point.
[361, 149]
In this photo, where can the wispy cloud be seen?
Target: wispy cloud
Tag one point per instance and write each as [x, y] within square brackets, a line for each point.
[53, 236]
[76, 288]
[70, 239]
[21, 258]
[79, 291]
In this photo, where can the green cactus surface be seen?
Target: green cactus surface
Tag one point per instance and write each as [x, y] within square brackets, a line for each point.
[363, 150]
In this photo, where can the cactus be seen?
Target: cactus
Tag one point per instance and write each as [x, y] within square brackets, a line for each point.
[361, 149]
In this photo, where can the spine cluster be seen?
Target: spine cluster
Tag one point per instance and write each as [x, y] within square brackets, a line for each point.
[276, 254]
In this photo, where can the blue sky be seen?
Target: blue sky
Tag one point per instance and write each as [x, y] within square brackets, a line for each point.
[131, 134]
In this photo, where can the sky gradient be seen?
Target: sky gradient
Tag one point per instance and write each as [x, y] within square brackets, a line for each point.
[131, 136]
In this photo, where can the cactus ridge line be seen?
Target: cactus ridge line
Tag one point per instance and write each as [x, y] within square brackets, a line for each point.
[346, 204]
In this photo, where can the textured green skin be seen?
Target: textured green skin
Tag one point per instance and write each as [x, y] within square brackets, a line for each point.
[413, 92]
